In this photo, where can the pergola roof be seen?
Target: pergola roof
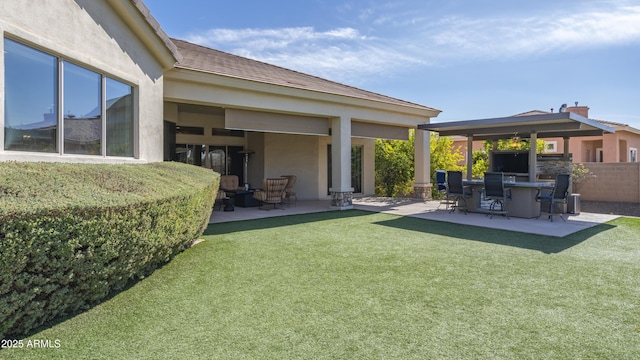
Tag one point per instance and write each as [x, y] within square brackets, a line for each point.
[551, 125]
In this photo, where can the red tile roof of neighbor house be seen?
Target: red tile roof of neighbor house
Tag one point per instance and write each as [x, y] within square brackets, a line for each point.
[204, 59]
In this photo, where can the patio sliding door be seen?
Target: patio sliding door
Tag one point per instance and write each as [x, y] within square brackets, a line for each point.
[226, 160]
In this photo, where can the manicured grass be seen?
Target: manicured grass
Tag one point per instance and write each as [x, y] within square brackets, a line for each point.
[360, 285]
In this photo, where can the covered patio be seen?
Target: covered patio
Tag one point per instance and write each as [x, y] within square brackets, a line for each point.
[524, 172]
[540, 126]
[224, 111]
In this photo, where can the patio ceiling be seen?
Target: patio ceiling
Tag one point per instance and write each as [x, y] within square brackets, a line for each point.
[565, 124]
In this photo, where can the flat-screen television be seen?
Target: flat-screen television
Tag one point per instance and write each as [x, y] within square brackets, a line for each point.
[516, 162]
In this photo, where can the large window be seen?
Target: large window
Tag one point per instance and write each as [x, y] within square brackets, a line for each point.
[119, 103]
[30, 99]
[82, 115]
[92, 114]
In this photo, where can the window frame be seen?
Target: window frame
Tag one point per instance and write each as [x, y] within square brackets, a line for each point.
[60, 103]
[550, 146]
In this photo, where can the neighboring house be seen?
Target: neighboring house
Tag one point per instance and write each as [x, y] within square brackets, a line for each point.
[111, 86]
[621, 146]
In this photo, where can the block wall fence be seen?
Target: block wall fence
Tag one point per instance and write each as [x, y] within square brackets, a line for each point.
[614, 182]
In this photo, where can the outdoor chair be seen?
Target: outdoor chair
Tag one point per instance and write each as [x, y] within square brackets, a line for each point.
[289, 194]
[495, 191]
[441, 186]
[558, 195]
[272, 192]
[230, 183]
[456, 192]
[219, 197]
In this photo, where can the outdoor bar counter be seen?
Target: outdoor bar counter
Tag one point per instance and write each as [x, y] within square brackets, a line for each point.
[533, 126]
[523, 202]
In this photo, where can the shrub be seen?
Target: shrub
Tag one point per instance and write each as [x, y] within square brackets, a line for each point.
[71, 234]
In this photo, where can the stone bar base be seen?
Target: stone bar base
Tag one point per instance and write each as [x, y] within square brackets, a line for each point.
[342, 200]
[422, 191]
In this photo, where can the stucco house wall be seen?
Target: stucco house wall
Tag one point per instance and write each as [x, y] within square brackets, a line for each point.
[288, 154]
[287, 118]
[94, 35]
[288, 127]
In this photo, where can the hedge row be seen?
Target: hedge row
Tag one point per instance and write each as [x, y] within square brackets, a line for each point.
[71, 234]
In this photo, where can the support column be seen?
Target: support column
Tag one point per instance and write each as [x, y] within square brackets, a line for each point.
[469, 157]
[422, 164]
[533, 156]
[341, 190]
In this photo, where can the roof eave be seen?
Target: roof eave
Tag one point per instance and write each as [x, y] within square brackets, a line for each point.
[242, 83]
[139, 19]
[545, 125]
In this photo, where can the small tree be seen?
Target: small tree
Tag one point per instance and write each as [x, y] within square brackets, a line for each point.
[394, 166]
[395, 169]
[580, 174]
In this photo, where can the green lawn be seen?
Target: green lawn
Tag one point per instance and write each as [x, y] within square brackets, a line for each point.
[361, 285]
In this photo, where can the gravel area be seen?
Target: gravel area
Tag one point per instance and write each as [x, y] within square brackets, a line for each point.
[615, 208]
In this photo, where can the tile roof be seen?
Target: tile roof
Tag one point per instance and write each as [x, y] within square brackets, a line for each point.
[605, 122]
[200, 58]
[532, 112]
[611, 123]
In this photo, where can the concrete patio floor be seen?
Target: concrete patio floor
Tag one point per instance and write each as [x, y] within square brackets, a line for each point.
[430, 210]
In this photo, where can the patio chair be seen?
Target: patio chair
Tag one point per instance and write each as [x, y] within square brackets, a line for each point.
[456, 192]
[441, 187]
[219, 197]
[495, 191]
[272, 192]
[558, 195]
[230, 183]
[289, 194]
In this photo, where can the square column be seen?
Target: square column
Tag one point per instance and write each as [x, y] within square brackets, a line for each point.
[341, 190]
[533, 156]
[422, 164]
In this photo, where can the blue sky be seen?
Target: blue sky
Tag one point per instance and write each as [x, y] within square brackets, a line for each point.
[470, 59]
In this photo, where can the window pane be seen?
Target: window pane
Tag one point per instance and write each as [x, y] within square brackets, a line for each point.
[119, 119]
[30, 121]
[190, 154]
[356, 169]
[189, 130]
[82, 112]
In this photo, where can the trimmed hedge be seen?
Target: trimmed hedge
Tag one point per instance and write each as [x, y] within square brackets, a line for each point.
[71, 234]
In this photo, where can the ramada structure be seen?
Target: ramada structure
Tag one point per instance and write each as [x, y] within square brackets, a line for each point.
[99, 81]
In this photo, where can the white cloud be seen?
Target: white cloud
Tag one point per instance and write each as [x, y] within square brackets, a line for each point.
[508, 36]
[400, 41]
[341, 54]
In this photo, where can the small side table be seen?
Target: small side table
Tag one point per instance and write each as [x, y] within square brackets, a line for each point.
[228, 204]
[244, 198]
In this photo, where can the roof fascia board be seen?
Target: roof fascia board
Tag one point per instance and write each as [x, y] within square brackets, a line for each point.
[137, 16]
[189, 75]
[520, 129]
[513, 123]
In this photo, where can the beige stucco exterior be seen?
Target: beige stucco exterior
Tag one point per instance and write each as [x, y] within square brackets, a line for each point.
[287, 125]
[96, 35]
[284, 150]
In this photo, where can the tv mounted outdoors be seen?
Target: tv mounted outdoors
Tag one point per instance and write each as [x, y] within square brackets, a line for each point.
[513, 162]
